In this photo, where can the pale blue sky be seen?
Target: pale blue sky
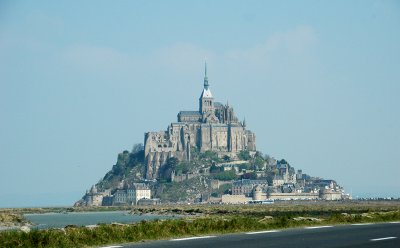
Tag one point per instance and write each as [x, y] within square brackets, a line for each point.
[81, 81]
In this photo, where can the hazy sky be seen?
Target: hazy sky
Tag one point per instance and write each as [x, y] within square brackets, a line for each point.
[80, 81]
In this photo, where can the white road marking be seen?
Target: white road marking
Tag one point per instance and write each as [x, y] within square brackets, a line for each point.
[190, 238]
[362, 224]
[270, 231]
[317, 227]
[383, 239]
[114, 246]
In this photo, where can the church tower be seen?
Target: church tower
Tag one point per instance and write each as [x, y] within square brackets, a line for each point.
[206, 101]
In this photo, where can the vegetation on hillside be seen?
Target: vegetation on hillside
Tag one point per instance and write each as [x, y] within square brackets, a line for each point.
[181, 191]
[130, 167]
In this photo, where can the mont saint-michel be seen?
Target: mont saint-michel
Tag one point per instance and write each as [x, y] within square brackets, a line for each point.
[207, 155]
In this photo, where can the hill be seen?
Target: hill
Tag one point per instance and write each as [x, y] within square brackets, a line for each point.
[207, 176]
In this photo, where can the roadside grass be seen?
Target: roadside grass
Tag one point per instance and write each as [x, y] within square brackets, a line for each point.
[227, 222]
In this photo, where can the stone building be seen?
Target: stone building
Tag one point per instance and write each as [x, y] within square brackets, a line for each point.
[246, 186]
[131, 195]
[137, 192]
[213, 127]
[92, 198]
[120, 197]
[278, 181]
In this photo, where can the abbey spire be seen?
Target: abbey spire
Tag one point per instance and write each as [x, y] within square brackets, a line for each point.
[206, 101]
[206, 85]
[206, 93]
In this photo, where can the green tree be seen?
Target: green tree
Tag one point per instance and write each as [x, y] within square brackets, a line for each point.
[251, 175]
[172, 163]
[211, 156]
[136, 158]
[259, 154]
[259, 163]
[244, 155]
[245, 166]
[214, 169]
[137, 148]
[182, 167]
[227, 158]
[122, 162]
[225, 175]
[282, 161]
[214, 194]
[166, 170]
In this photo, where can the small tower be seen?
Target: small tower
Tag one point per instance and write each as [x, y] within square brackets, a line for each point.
[206, 101]
[257, 193]
[287, 174]
[188, 149]
[93, 190]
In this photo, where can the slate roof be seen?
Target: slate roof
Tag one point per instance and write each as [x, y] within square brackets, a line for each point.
[195, 113]
[218, 104]
[249, 182]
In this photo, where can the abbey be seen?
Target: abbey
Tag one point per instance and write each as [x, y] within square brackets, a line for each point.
[214, 127]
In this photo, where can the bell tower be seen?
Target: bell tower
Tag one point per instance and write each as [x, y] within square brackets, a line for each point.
[206, 101]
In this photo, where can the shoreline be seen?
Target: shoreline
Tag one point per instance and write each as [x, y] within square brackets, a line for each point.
[223, 223]
[14, 219]
[201, 219]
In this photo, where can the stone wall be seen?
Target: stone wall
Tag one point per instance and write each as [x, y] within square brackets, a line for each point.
[182, 177]
[293, 196]
[235, 199]
[330, 195]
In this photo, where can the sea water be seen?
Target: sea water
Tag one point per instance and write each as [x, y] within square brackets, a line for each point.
[59, 220]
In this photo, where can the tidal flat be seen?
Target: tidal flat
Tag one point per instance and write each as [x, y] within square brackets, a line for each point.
[202, 219]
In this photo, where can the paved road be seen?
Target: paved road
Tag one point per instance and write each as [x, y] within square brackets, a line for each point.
[357, 236]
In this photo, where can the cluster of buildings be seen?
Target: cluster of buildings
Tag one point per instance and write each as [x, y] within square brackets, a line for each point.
[286, 184]
[134, 194]
[246, 190]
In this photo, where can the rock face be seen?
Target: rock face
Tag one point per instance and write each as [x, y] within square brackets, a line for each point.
[214, 127]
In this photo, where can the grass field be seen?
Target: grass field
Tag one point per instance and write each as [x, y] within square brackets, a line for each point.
[208, 219]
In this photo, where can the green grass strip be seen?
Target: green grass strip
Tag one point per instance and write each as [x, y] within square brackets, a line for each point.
[173, 228]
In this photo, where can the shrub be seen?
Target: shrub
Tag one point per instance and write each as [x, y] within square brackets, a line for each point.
[225, 175]
[244, 155]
